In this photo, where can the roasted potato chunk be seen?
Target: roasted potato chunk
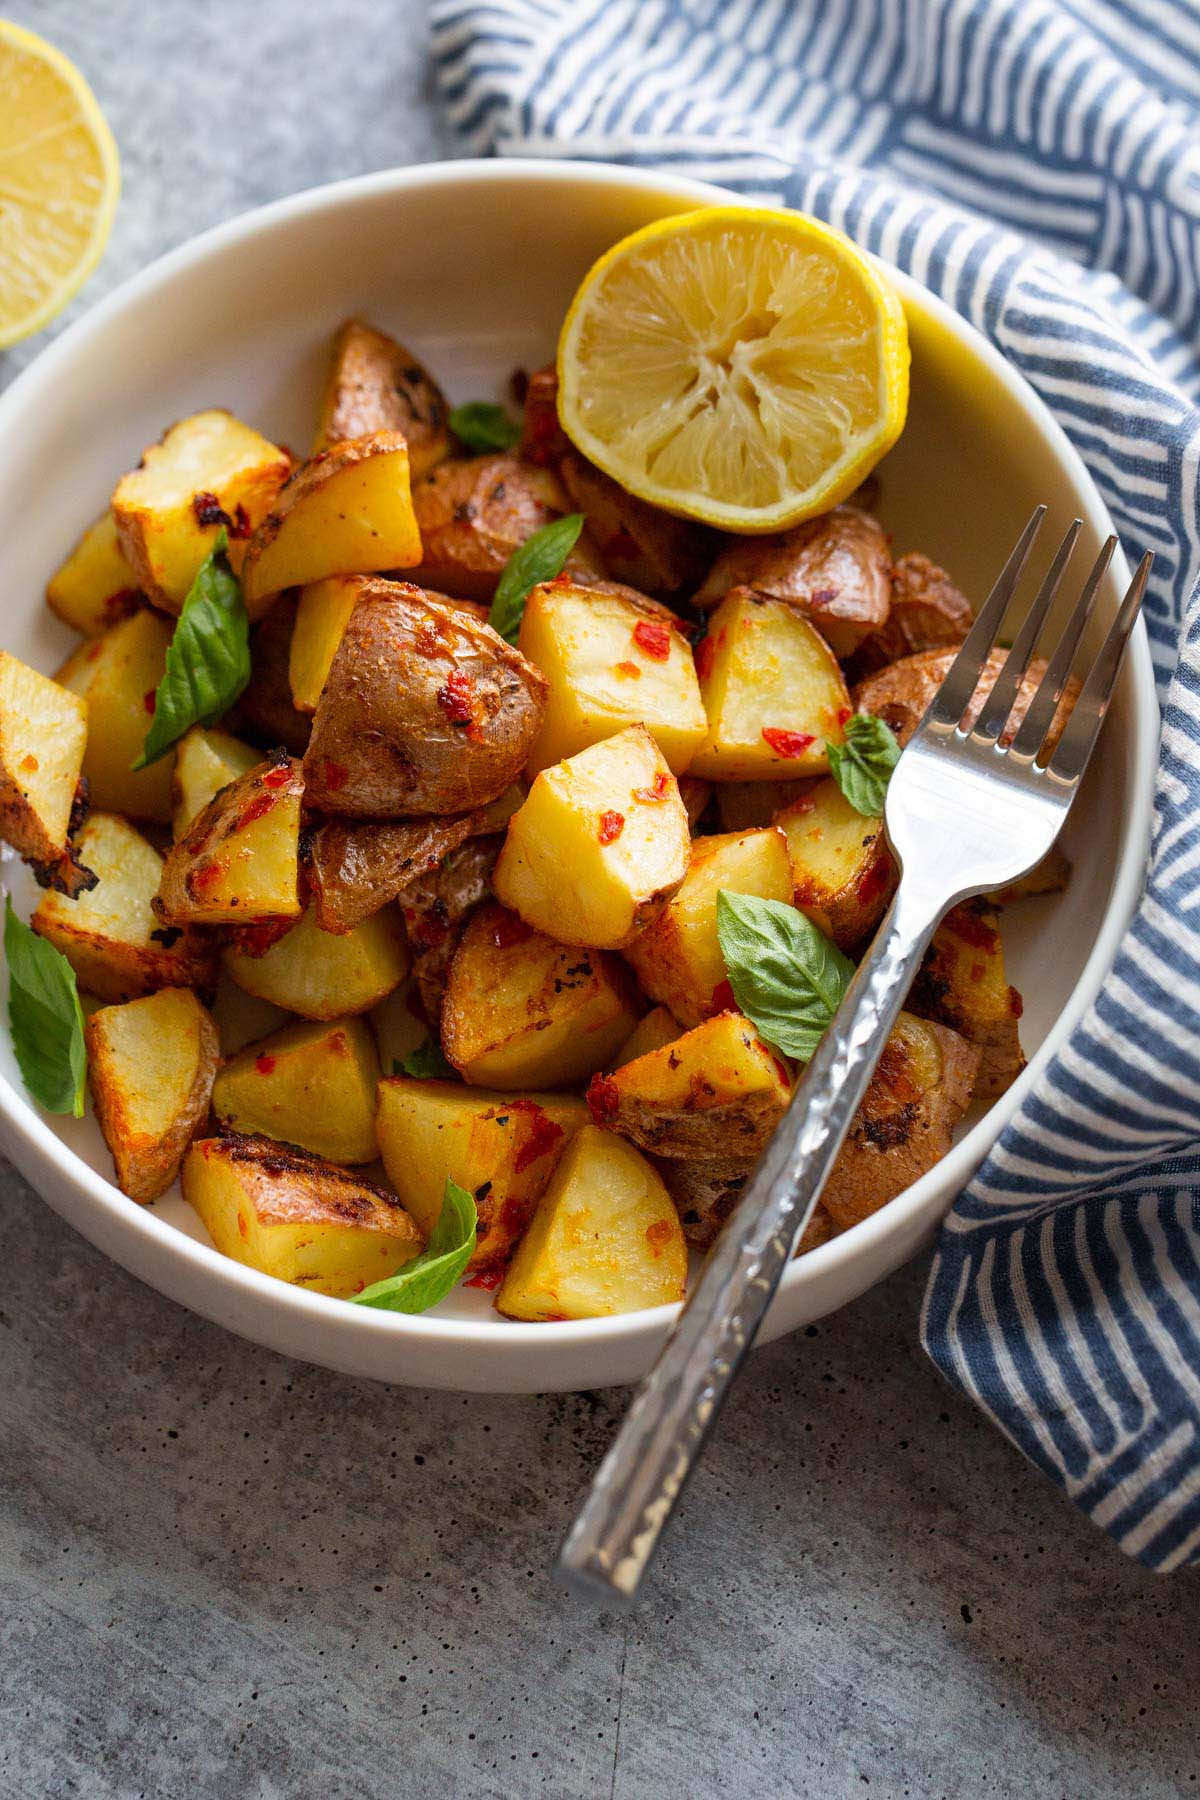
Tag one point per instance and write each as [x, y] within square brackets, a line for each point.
[205, 762]
[375, 384]
[151, 1064]
[43, 735]
[500, 1148]
[353, 870]
[612, 659]
[117, 675]
[311, 1084]
[705, 1193]
[651, 550]
[96, 585]
[900, 693]
[111, 935]
[346, 511]
[773, 693]
[835, 569]
[241, 1018]
[928, 613]
[425, 710]
[717, 1091]
[320, 976]
[522, 1011]
[238, 861]
[677, 958]
[399, 1025]
[918, 1093]
[742, 805]
[605, 1238]
[473, 512]
[543, 440]
[659, 1027]
[295, 1216]
[265, 712]
[842, 869]
[601, 841]
[322, 616]
[436, 908]
[962, 983]
[206, 472]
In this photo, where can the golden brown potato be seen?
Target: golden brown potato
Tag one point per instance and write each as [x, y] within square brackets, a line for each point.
[205, 762]
[151, 1064]
[962, 983]
[649, 549]
[96, 585]
[658, 1027]
[743, 805]
[117, 675]
[375, 384]
[605, 1238]
[501, 1148]
[322, 616]
[238, 861]
[311, 1084]
[705, 1193]
[717, 1091]
[928, 613]
[320, 976]
[900, 693]
[773, 693]
[842, 869]
[43, 735]
[473, 512]
[436, 908]
[425, 710]
[111, 935]
[599, 844]
[346, 511]
[522, 1011]
[295, 1216]
[677, 958]
[352, 870]
[917, 1095]
[836, 569]
[543, 440]
[207, 472]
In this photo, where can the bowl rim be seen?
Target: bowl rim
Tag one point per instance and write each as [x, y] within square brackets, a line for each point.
[42, 1144]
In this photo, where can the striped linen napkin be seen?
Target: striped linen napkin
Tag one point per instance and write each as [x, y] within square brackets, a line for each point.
[1037, 164]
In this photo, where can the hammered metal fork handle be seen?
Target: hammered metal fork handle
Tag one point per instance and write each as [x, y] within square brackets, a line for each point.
[641, 1477]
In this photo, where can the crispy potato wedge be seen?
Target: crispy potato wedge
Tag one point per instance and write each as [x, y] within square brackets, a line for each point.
[151, 1064]
[205, 762]
[717, 1091]
[917, 1095]
[436, 908]
[522, 1011]
[612, 659]
[43, 738]
[97, 584]
[311, 1084]
[375, 384]
[705, 1193]
[927, 613]
[399, 1024]
[320, 976]
[425, 710]
[835, 569]
[111, 935]
[237, 863]
[543, 440]
[842, 869]
[677, 958]
[501, 1148]
[773, 693]
[962, 983]
[206, 472]
[658, 1027]
[117, 676]
[241, 1018]
[295, 1216]
[649, 549]
[346, 511]
[601, 841]
[900, 693]
[354, 869]
[605, 1238]
[474, 511]
[265, 712]
[743, 805]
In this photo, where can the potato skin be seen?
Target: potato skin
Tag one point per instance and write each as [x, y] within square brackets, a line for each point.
[900, 693]
[265, 711]
[375, 384]
[473, 512]
[717, 1092]
[649, 549]
[962, 983]
[203, 876]
[436, 908]
[353, 870]
[705, 1193]
[543, 441]
[147, 1163]
[425, 710]
[928, 613]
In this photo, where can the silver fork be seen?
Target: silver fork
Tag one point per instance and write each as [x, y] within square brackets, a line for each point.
[964, 813]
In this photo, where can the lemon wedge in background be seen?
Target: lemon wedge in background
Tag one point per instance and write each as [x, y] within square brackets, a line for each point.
[59, 180]
[744, 367]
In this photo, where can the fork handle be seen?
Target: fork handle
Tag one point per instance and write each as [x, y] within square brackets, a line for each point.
[636, 1486]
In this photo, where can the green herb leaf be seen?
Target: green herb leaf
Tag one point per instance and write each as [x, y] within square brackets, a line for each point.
[429, 1277]
[425, 1063]
[208, 659]
[862, 766]
[482, 425]
[45, 1017]
[786, 976]
[540, 558]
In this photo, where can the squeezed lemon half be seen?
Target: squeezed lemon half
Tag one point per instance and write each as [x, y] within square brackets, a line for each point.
[741, 366]
[59, 181]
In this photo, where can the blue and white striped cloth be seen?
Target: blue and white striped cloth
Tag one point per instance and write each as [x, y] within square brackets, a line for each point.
[1037, 163]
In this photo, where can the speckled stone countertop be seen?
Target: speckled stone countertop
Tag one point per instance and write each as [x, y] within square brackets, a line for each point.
[229, 1575]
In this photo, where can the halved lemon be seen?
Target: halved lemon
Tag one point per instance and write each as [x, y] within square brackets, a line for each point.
[740, 366]
[59, 181]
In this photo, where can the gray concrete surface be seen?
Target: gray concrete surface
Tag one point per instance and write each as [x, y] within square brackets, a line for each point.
[226, 1575]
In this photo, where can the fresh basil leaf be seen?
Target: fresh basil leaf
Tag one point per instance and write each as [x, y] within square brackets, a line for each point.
[208, 658]
[862, 766]
[786, 976]
[45, 1018]
[540, 558]
[429, 1277]
[482, 425]
[425, 1063]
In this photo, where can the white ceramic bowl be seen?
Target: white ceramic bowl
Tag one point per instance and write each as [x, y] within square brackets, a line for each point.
[473, 264]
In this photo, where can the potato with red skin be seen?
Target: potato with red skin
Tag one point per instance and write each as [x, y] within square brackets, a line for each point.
[641, 545]
[436, 908]
[705, 1193]
[900, 693]
[843, 874]
[375, 384]
[473, 512]
[962, 983]
[928, 613]
[353, 869]
[425, 710]
[543, 440]
[237, 863]
[265, 710]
